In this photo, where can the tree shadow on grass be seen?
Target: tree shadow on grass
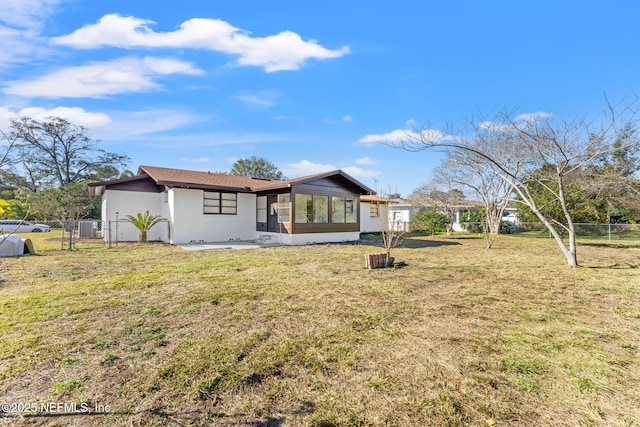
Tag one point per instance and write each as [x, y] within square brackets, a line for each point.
[615, 266]
[412, 243]
[616, 245]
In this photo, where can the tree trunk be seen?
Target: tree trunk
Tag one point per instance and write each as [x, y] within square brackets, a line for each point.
[142, 237]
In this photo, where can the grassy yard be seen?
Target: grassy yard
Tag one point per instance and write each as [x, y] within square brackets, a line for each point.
[306, 336]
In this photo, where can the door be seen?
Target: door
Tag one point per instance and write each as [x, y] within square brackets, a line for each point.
[272, 213]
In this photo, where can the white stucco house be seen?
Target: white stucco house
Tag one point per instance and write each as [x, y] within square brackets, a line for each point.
[217, 207]
[402, 212]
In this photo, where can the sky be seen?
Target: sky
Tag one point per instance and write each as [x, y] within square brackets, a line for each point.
[309, 86]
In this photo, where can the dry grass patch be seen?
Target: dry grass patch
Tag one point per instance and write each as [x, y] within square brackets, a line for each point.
[308, 336]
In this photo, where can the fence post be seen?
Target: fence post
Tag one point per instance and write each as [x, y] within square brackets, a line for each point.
[71, 227]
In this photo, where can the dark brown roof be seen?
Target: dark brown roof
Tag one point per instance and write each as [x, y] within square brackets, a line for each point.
[224, 181]
[188, 178]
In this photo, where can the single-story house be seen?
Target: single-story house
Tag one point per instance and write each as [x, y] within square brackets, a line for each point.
[215, 207]
[373, 213]
[402, 212]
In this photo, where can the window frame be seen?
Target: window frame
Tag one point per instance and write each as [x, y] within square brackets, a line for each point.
[222, 202]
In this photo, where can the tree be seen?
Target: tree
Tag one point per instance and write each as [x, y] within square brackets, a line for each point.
[53, 152]
[144, 223]
[442, 197]
[520, 146]
[431, 221]
[610, 181]
[4, 207]
[256, 167]
[71, 201]
[464, 169]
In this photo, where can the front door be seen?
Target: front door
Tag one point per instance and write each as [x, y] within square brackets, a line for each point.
[272, 213]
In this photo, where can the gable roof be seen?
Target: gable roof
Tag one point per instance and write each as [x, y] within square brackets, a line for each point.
[223, 181]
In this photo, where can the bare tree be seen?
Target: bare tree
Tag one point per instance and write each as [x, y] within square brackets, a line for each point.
[519, 147]
[465, 170]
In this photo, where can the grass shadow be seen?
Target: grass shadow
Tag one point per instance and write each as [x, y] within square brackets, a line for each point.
[616, 266]
[617, 245]
[412, 243]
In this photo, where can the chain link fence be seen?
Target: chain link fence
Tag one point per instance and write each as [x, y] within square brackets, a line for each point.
[583, 230]
[75, 233]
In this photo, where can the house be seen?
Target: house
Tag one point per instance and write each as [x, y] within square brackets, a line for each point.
[374, 214]
[215, 207]
[402, 212]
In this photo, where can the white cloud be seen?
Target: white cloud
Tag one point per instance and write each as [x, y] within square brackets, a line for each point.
[264, 98]
[401, 135]
[100, 79]
[520, 121]
[198, 160]
[343, 119]
[132, 124]
[306, 167]
[283, 117]
[357, 172]
[75, 115]
[21, 22]
[26, 13]
[531, 117]
[282, 51]
[366, 161]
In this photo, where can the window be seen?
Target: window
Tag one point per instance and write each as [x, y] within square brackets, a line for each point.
[344, 210]
[261, 209]
[312, 208]
[374, 210]
[284, 208]
[216, 202]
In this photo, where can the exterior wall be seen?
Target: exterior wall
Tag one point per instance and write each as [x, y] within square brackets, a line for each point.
[400, 216]
[369, 224]
[324, 187]
[307, 239]
[190, 224]
[131, 203]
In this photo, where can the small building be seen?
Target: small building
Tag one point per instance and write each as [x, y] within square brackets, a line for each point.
[216, 207]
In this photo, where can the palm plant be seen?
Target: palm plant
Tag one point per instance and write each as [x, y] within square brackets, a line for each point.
[144, 223]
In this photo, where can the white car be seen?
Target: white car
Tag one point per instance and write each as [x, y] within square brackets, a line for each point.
[17, 226]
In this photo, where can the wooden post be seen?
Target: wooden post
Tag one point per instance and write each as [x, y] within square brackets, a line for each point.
[377, 261]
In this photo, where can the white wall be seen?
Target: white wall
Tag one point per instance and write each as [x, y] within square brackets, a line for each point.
[131, 203]
[191, 224]
[370, 224]
[400, 216]
[310, 238]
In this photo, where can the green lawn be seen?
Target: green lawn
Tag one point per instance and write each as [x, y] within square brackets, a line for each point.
[307, 336]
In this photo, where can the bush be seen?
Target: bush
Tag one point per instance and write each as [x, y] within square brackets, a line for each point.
[431, 222]
[473, 221]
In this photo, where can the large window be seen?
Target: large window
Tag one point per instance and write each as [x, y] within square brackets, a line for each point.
[217, 202]
[344, 210]
[261, 209]
[312, 208]
[284, 208]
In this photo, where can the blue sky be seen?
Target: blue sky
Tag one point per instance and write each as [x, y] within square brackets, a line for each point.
[310, 86]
